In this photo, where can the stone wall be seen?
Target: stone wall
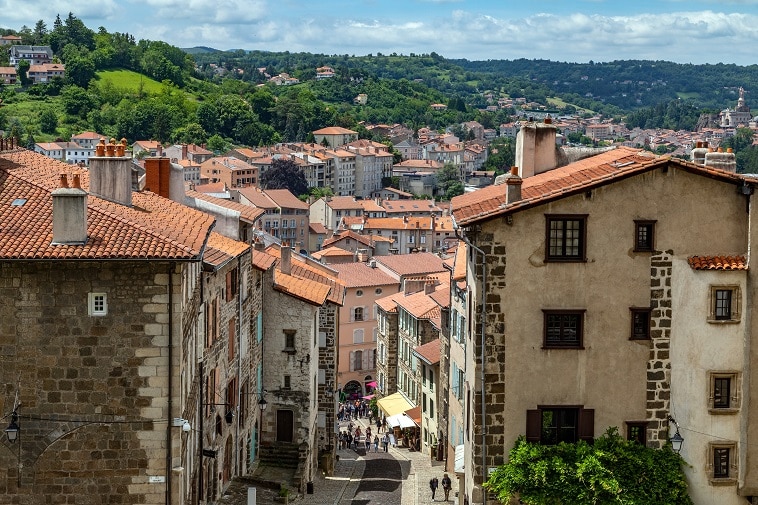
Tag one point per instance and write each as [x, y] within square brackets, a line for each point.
[327, 360]
[93, 389]
[659, 363]
[390, 339]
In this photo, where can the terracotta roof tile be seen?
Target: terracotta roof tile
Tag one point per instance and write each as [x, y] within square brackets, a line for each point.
[306, 289]
[412, 264]
[361, 275]
[310, 270]
[222, 249]
[718, 262]
[153, 228]
[332, 252]
[597, 170]
[363, 239]
[247, 212]
[429, 352]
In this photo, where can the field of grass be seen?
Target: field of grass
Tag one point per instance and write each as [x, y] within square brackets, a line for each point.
[128, 80]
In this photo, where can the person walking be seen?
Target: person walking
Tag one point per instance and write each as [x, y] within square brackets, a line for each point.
[376, 443]
[433, 484]
[386, 441]
[446, 486]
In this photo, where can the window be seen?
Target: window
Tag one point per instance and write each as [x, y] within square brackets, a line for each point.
[644, 236]
[98, 304]
[287, 382]
[378, 291]
[724, 304]
[358, 314]
[640, 323]
[563, 329]
[551, 425]
[289, 340]
[566, 238]
[722, 463]
[357, 360]
[359, 292]
[723, 394]
[358, 336]
[636, 431]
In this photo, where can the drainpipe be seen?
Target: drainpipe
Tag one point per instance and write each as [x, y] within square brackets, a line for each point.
[239, 359]
[170, 381]
[484, 314]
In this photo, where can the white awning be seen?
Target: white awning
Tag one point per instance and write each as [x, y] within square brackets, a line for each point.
[400, 420]
[459, 458]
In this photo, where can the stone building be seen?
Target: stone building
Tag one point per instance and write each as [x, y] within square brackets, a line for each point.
[299, 361]
[100, 288]
[613, 291]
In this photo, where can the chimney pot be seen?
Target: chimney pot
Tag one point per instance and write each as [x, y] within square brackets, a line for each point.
[77, 183]
[63, 181]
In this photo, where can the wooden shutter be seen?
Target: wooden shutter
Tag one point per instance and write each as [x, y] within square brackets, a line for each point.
[352, 361]
[232, 337]
[587, 425]
[229, 293]
[533, 425]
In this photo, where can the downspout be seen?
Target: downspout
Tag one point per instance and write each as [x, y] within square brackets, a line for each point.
[483, 340]
[200, 402]
[239, 360]
[170, 381]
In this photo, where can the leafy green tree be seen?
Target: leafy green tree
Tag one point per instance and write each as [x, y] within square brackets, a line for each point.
[285, 174]
[612, 470]
[79, 71]
[77, 101]
[449, 182]
[216, 143]
[22, 70]
[48, 121]
[191, 133]
[30, 142]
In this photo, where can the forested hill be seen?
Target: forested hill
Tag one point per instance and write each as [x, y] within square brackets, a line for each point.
[627, 84]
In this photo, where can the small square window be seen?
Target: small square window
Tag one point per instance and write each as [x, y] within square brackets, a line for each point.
[289, 341]
[724, 304]
[644, 236]
[563, 329]
[98, 304]
[722, 463]
[640, 323]
[723, 392]
[636, 431]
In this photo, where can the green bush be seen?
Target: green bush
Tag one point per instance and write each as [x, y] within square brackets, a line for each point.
[611, 471]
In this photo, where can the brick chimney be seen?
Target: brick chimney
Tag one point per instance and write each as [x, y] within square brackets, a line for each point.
[165, 178]
[69, 213]
[184, 151]
[536, 148]
[286, 264]
[111, 172]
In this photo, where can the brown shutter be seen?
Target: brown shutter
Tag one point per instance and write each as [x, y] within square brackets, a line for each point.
[533, 425]
[229, 293]
[587, 425]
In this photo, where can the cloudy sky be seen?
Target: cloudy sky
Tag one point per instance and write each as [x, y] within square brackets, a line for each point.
[683, 31]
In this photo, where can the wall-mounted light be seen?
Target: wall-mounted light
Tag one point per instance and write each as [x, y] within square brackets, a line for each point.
[179, 422]
[13, 429]
[676, 439]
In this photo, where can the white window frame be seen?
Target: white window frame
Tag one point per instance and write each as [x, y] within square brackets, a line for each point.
[97, 304]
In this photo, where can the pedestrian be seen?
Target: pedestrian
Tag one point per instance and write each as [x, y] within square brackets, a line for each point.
[446, 486]
[349, 440]
[378, 425]
[376, 443]
[386, 441]
[433, 484]
[384, 424]
[368, 443]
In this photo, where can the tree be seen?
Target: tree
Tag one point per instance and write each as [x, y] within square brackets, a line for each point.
[612, 470]
[79, 71]
[449, 182]
[216, 143]
[23, 72]
[48, 121]
[285, 174]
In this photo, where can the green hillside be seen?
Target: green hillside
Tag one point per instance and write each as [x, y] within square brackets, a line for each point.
[128, 81]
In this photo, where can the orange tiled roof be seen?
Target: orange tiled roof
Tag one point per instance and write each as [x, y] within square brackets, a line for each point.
[318, 228]
[222, 249]
[310, 270]
[331, 252]
[429, 352]
[363, 239]
[308, 290]
[718, 262]
[459, 266]
[356, 275]
[247, 212]
[614, 164]
[412, 264]
[334, 130]
[153, 228]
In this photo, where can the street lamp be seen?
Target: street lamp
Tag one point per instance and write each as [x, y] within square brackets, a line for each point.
[13, 428]
[676, 440]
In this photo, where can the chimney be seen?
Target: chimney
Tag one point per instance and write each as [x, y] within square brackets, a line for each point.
[69, 213]
[535, 148]
[429, 288]
[286, 264]
[184, 151]
[159, 150]
[513, 186]
[721, 160]
[164, 178]
[111, 172]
